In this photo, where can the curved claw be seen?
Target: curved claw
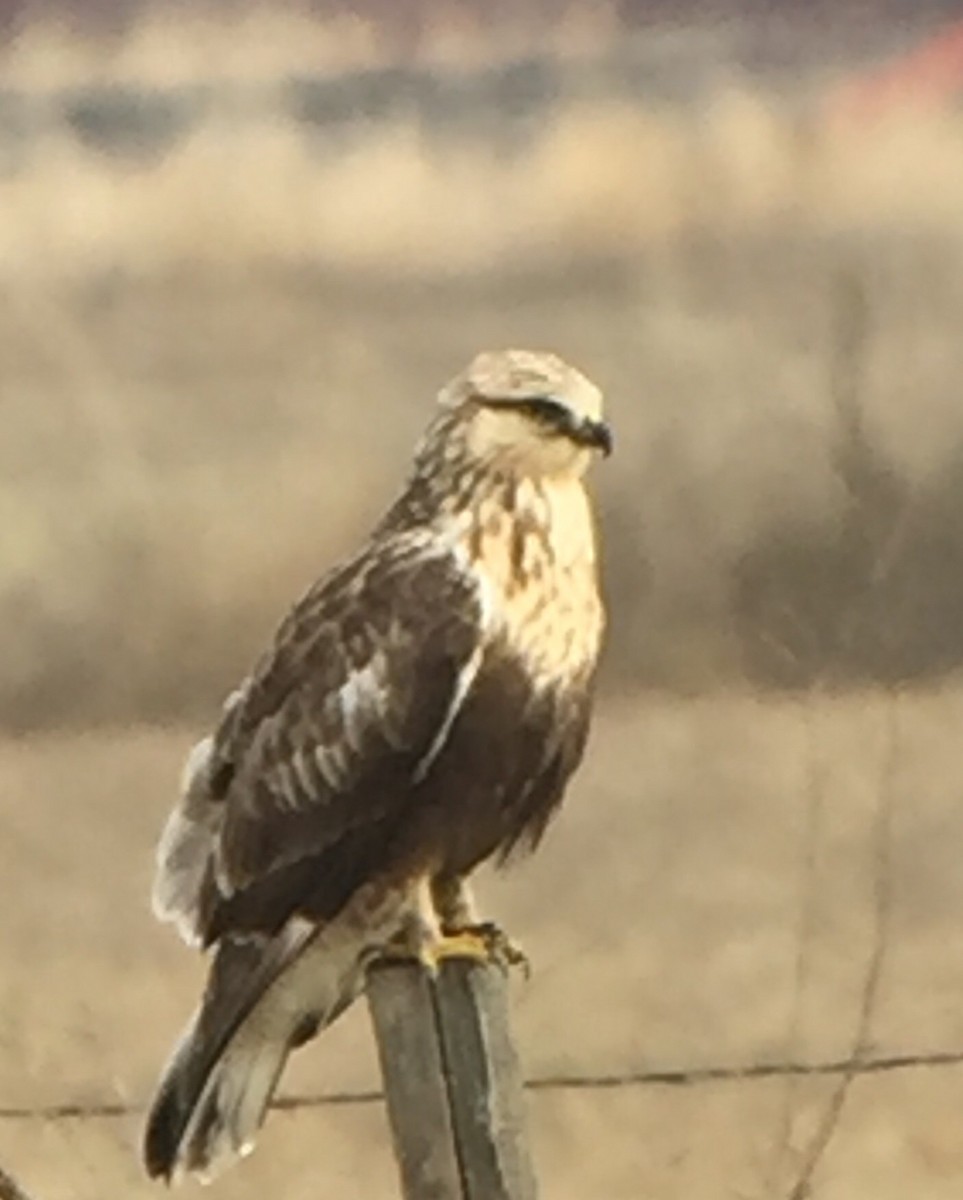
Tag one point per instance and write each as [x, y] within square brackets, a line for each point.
[484, 941]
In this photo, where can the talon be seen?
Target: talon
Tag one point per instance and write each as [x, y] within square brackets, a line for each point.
[430, 954]
[462, 943]
[484, 942]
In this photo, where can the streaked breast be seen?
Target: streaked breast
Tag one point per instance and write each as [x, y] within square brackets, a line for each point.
[536, 554]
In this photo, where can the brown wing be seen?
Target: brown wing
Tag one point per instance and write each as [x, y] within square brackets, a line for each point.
[315, 763]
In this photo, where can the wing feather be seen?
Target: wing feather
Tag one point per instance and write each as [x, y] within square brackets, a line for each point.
[466, 677]
[318, 754]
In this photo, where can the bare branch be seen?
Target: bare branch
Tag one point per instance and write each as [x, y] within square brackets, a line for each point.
[814, 797]
[882, 894]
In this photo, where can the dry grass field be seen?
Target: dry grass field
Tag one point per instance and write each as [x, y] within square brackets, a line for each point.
[215, 363]
[158, 429]
[711, 895]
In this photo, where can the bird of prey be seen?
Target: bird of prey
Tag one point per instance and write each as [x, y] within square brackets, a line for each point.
[420, 710]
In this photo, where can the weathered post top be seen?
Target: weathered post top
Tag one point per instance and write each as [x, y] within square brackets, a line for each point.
[452, 1079]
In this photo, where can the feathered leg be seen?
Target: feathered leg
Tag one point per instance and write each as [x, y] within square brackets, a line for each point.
[464, 934]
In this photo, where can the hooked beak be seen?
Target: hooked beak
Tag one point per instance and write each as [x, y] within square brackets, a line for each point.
[594, 434]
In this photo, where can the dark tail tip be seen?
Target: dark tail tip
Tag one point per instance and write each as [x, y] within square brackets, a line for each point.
[162, 1135]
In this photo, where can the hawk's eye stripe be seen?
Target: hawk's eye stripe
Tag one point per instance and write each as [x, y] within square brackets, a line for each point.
[545, 409]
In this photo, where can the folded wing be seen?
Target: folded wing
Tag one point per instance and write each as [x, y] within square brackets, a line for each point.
[296, 799]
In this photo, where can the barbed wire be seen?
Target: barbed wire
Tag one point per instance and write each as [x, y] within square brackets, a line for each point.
[666, 1077]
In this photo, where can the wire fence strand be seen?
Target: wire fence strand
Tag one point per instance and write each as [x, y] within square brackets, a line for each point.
[667, 1077]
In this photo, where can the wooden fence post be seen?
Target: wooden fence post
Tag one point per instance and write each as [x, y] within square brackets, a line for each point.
[452, 1079]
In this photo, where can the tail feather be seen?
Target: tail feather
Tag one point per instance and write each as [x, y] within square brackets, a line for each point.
[205, 1115]
[260, 1000]
[202, 1132]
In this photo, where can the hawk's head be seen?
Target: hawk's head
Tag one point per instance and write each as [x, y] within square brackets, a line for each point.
[527, 412]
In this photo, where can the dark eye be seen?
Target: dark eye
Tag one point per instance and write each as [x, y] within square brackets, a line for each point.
[545, 409]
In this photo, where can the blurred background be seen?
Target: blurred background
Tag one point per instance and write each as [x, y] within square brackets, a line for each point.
[241, 247]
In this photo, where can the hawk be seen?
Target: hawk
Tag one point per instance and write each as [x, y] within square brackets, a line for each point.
[420, 711]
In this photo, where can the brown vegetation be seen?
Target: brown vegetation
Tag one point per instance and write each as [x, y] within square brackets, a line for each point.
[194, 345]
[189, 439]
[710, 896]
[216, 359]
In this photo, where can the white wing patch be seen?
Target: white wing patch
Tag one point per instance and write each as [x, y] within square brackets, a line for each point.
[362, 697]
[361, 704]
[304, 773]
[324, 759]
[186, 846]
[466, 678]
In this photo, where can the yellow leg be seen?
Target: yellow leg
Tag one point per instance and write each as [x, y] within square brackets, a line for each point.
[477, 945]
[483, 942]
[466, 936]
[442, 924]
[453, 903]
[418, 934]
